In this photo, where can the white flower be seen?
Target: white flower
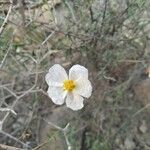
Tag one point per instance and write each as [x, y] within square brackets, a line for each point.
[70, 89]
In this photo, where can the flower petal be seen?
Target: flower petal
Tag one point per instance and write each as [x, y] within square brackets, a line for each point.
[83, 87]
[74, 101]
[78, 71]
[57, 94]
[56, 74]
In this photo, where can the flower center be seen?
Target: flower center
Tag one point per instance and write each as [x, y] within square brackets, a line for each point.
[68, 85]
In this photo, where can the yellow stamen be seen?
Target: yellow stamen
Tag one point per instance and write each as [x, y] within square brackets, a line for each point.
[68, 85]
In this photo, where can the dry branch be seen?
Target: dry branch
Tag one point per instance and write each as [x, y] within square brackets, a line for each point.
[6, 19]
[5, 147]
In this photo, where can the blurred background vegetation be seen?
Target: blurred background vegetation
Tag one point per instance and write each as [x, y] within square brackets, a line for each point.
[110, 38]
